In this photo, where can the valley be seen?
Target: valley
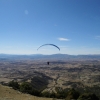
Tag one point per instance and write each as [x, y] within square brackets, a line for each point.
[64, 74]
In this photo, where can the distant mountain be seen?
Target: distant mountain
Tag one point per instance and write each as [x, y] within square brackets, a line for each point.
[53, 56]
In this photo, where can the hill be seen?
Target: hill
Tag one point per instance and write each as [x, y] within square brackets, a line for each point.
[7, 93]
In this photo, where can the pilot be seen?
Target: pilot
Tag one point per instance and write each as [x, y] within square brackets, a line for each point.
[48, 63]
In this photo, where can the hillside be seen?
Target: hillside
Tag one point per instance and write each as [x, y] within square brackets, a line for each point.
[7, 93]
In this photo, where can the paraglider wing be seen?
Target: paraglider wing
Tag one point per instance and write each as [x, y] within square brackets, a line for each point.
[49, 44]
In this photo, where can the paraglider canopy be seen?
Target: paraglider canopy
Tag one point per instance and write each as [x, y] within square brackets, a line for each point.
[51, 45]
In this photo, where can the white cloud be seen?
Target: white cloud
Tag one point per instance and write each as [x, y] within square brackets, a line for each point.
[55, 24]
[63, 39]
[97, 37]
[26, 12]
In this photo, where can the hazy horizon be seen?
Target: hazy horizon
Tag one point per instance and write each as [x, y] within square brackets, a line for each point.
[48, 54]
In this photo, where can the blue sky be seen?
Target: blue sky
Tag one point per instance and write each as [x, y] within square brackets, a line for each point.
[73, 25]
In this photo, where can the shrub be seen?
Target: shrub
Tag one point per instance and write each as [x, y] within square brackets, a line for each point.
[88, 96]
[72, 94]
[13, 84]
[25, 87]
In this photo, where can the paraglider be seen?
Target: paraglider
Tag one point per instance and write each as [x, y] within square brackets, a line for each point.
[51, 45]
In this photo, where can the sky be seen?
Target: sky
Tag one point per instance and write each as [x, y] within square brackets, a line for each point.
[72, 25]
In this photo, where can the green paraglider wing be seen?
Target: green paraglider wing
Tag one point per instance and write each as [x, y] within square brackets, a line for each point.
[49, 44]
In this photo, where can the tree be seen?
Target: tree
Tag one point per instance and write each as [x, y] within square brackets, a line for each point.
[72, 94]
[13, 84]
[25, 87]
[88, 96]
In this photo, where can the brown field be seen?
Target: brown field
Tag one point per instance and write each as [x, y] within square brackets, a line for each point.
[64, 74]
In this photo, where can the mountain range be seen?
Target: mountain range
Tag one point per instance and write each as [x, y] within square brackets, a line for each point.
[53, 56]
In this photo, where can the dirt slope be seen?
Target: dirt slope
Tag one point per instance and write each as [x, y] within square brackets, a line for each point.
[6, 93]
